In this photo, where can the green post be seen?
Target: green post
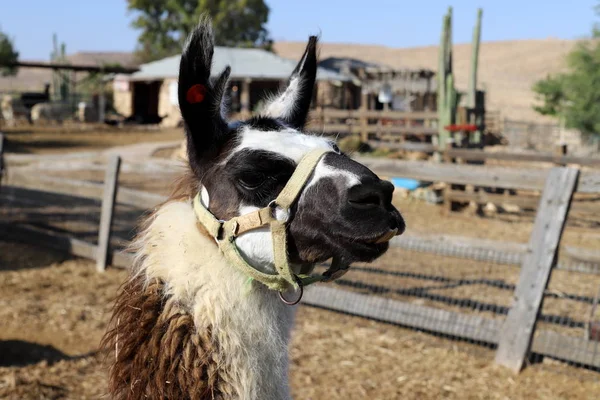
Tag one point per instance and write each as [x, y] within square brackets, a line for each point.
[60, 85]
[475, 109]
[447, 97]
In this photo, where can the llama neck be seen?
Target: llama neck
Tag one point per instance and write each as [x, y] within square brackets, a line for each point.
[249, 326]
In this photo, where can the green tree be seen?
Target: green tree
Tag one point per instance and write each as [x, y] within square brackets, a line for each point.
[8, 54]
[574, 95]
[165, 24]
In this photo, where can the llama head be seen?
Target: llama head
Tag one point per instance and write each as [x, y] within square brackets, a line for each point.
[241, 166]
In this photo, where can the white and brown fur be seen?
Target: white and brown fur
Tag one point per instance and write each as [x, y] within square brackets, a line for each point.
[187, 325]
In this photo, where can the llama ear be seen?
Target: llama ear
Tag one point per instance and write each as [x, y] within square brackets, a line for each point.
[201, 98]
[293, 105]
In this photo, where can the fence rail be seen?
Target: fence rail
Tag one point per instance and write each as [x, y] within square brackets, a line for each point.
[388, 125]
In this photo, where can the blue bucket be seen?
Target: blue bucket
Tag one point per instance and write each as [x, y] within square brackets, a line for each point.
[405, 183]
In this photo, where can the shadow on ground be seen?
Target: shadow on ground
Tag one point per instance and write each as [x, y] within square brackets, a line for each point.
[18, 353]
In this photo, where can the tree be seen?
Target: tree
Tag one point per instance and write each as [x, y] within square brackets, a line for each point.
[165, 24]
[8, 54]
[574, 95]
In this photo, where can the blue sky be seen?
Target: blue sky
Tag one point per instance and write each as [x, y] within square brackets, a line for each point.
[86, 25]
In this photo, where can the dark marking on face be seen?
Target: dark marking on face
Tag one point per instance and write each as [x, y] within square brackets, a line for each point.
[265, 124]
[259, 175]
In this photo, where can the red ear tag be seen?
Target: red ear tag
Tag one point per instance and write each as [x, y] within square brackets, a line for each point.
[195, 94]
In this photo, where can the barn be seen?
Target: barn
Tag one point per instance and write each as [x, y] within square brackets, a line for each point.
[151, 93]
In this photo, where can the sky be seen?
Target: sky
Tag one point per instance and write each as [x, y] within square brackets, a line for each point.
[86, 25]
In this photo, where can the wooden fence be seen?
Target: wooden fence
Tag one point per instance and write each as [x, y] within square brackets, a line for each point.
[516, 337]
[384, 125]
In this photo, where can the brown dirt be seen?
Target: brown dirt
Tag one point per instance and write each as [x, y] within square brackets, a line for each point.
[54, 311]
[79, 137]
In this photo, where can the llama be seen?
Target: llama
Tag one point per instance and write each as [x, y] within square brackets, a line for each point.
[200, 316]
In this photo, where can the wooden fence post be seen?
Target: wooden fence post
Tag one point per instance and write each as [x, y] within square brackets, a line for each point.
[364, 107]
[1, 156]
[519, 327]
[111, 180]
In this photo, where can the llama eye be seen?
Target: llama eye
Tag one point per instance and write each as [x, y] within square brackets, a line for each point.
[251, 181]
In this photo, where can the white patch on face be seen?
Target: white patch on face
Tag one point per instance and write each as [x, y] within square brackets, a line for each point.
[256, 245]
[284, 104]
[289, 143]
[326, 171]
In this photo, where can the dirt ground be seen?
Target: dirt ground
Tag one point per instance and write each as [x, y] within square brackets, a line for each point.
[78, 137]
[53, 311]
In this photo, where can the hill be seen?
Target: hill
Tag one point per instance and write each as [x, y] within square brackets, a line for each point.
[507, 69]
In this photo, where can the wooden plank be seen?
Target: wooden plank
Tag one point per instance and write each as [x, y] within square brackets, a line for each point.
[482, 197]
[402, 130]
[583, 255]
[567, 348]
[523, 201]
[1, 157]
[389, 129]
[81, 188]
[111, 181]
[62, 242]
[489, 251]
[518, 329]
[401, 313]
[589, 182]
[465, 174]
[502, 177]
[481, 155]
[375, 114]
[409, 146]
[16, 159]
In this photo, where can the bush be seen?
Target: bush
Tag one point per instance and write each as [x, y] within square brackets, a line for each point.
[353, 144]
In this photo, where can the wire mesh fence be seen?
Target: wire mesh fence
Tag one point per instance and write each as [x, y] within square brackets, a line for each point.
[468, 298]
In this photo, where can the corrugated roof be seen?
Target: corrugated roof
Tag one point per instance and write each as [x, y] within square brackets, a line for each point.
[245, 63]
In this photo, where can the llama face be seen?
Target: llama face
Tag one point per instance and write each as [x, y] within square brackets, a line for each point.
[242, 166]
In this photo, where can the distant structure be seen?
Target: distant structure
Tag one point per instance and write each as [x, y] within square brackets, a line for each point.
[406, 89]
[151, 93]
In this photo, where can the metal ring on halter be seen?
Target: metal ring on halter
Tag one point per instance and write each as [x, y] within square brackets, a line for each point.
[291, 303]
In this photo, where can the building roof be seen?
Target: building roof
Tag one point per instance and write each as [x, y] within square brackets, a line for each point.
[245, 63]
[98, 58]
[348, 63]
[34, 79]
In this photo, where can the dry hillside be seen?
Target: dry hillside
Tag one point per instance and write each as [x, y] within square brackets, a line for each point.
[507, 70]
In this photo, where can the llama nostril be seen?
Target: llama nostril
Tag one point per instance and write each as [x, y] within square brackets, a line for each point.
[368, 196]
[368, 200]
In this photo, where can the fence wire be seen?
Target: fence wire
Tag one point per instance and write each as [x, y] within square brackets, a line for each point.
[466, 295]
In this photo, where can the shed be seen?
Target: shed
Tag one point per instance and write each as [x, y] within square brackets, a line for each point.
[152, 91]
[412, 89]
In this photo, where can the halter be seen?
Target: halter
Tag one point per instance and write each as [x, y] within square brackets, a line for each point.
[225, 233]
